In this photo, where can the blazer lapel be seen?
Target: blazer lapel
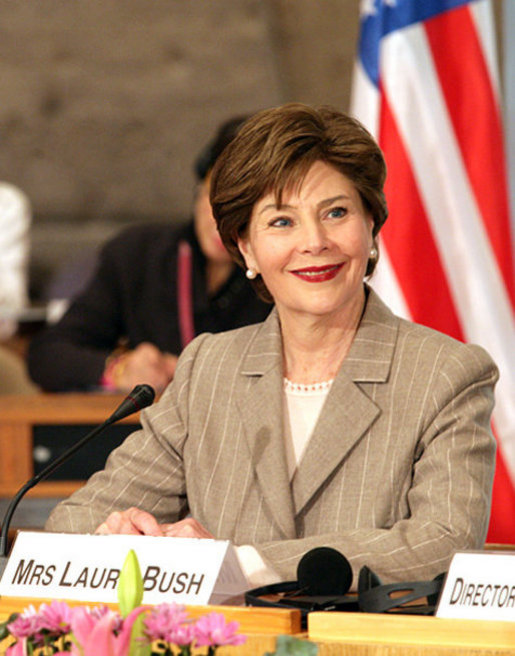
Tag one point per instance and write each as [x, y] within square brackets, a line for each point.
[260, 403]
[348, 411]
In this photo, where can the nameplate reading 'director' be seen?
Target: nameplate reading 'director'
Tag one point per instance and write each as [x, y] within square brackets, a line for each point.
[87, 567]
[480, 585]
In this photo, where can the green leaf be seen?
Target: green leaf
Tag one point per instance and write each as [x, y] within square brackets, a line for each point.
[139, 646]
[130, 585]
[286, 645]
[4, 632]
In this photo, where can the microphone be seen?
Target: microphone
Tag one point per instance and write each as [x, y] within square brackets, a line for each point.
[324, 577]
[140, 397]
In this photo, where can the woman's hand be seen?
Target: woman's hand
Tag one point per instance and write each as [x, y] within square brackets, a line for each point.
[139, 522]
[144, 364]
[130, 522]
[186, 528]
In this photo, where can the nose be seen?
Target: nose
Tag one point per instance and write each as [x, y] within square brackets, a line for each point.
[314, 238]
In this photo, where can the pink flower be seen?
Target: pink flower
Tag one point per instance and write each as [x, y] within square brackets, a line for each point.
[102, 640]
[212, 630]
[163, 621]
[98, 611]
[182, 635]
[26, 624]
[19, 649]
[82, 623]
[56, 617]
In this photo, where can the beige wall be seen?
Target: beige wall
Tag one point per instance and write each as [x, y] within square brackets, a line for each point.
[105, 103]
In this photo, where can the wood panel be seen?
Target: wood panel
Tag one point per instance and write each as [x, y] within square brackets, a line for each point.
[15, 453]
[20, 413]
[70, 408]
[408, 630]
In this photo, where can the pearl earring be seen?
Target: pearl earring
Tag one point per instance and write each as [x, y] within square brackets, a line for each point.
[250, 273]
[373, 253]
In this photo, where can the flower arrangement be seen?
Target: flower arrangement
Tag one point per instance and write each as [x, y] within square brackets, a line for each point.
[57, 629]
[165, 630]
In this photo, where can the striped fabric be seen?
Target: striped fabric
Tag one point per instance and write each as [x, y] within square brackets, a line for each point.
[426, 86]
[396, 475]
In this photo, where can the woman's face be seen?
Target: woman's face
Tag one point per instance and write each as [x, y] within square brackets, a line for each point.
[205, 227]
[312, 252]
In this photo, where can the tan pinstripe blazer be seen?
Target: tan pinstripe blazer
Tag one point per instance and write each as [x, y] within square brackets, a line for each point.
[397, 474]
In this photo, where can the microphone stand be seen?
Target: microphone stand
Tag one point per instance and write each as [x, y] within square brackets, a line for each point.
[140, 397]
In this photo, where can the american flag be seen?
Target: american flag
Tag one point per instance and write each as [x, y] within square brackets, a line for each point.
[426, 85]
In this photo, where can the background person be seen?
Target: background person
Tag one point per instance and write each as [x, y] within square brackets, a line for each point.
[333, 422]
[15, 222]
[155, 288]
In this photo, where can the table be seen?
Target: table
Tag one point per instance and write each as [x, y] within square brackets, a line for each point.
[351, 634]
[364, 634]
[21, 414]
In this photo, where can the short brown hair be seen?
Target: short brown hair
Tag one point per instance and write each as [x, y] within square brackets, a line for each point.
[275, 149]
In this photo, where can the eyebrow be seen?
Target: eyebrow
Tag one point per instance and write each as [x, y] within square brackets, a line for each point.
[322, 203]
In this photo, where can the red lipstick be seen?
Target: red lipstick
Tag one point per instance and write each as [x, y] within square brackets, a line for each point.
[318, 273]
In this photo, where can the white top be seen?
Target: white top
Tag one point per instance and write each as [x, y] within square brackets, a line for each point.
[302, 407]
[15, 220]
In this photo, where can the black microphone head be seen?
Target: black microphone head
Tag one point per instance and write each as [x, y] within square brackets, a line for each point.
[143, 396]
[324, 571]
[140, 397]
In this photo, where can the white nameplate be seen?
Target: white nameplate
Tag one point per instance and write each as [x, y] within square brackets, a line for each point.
[86, 567]
[480, 585]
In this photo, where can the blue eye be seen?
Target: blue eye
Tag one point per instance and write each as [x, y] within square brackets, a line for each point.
[281, 222]
[337, 213]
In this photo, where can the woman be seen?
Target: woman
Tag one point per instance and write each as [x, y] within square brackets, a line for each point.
[155, 288]
[332, 423]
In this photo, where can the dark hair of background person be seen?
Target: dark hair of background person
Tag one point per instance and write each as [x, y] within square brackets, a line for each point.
[209, 154]
[275, 149]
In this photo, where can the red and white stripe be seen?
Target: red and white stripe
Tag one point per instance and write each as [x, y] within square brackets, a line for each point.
[446, 247]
